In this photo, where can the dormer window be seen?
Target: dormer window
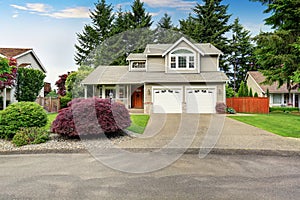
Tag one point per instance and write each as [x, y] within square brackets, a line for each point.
[139, 65]
[182, 59]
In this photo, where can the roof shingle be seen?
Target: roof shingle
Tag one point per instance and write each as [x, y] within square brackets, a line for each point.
[12, 52]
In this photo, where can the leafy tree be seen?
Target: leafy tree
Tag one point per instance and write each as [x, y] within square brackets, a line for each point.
[73, 82]
[277, 52]
[61, 84]
[242, 54]
[92, 35]
[229, 91]
[29, 84]
[8, 72]
[138, 18]
[209, 25]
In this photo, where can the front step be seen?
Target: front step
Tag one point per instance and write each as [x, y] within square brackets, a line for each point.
[135, 111]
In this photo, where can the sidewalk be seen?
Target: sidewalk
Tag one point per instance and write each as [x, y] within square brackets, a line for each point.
[235, 137]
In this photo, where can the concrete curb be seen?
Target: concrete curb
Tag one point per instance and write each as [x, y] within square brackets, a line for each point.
[215, 151]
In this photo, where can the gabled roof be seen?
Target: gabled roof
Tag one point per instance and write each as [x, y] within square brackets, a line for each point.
[136, 56]
[183, 39]
[259, 78]
[121, 75]
[163, 49]
[19, 52]
[13, 52]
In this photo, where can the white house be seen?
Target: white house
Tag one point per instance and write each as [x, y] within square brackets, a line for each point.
[279, 96]
[25, 57]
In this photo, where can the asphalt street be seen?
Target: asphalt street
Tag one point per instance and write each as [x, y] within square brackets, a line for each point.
[80, 176]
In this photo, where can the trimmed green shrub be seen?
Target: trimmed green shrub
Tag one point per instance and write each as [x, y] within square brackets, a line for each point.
[255, 94]
[283, 109]
[32, 135]
[230, 110]
[21, 115]
[65, 100]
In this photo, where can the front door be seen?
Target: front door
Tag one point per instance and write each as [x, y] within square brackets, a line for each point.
[137, 100]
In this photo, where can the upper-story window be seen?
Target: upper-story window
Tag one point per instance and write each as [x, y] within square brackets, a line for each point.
[138, 65]
[182, 59]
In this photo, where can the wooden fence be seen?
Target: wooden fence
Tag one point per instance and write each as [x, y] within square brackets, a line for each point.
[50, 104]
[249, 104]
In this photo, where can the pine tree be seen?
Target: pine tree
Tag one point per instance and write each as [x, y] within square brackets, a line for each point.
[209, 25]
[250, 93]
[138, 18]
[241, 89]
[92, 35]
[241, 55]
[121, 22]
[165, 22]
[278, 52]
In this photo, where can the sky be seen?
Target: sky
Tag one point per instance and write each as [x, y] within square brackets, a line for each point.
[50, 26]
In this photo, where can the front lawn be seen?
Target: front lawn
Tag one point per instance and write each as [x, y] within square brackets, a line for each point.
[138, 124]
[284, 124]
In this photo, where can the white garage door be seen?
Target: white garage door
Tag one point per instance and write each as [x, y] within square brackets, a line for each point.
[167, 100]
[200, 100]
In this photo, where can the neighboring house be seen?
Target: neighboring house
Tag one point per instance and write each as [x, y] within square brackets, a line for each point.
[278, 96]
[25, 58]
[167, 78]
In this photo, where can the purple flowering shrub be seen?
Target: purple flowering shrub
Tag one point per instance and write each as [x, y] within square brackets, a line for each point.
[92, 116]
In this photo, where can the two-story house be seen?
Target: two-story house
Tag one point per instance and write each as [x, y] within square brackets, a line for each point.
[25, 57]
[166, 78]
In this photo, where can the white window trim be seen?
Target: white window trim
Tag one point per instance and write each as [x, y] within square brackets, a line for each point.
[187, 60]
[138, 69]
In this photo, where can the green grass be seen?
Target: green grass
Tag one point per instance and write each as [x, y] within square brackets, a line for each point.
[51, 118]
[139, 123]
[284, 124]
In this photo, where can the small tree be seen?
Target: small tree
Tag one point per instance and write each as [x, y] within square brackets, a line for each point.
[250, 93]
[241, 89]
[268, 92]
[229, 91]
[255, 94]
[61, 85]
[29, 84]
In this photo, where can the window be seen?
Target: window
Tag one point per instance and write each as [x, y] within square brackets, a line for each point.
[139, 65]
[182, 59]
[277, 98]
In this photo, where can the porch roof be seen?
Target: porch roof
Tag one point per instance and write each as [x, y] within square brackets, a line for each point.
[121, 75]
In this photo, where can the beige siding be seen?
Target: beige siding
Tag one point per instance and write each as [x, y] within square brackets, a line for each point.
[197, 62]
[155, 64]
[209, 63]
[255, 88]
[28, 58]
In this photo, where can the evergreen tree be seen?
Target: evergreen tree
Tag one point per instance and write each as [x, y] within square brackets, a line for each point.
[250, 93]
[209, 25]
[255, 94]
[241, 89]
[277, 52]
[242, 54]
[138, 18]
[92, 35]
[121, 22]
[165, 22]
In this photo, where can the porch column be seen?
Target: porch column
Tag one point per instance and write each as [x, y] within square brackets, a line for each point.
[103, 92]
[293, 99]
[127, 96]
[93, 90]
[85, 91]
[12, 92]
[4, 98]
[282, 99]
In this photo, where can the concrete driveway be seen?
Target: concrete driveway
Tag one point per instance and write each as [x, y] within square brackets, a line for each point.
[206, 131]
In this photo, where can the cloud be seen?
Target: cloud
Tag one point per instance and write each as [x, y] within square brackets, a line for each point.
[44, 10]
[15, 16]
[170, 3]
[78, 12]
[36, 7]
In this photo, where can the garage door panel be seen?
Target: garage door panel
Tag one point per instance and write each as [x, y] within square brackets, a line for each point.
[200, 101]
[167, 101]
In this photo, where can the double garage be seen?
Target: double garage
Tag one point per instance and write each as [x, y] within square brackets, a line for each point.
[184, 99]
